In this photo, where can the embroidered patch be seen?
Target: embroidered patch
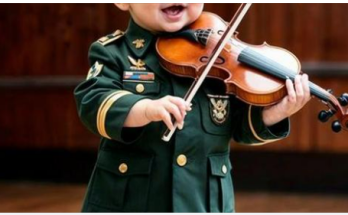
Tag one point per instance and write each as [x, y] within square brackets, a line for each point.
[138, 76]
[94, 70]
[219, 108]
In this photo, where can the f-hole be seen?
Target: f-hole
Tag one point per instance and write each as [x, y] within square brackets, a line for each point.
[220, 32]
[218, 61]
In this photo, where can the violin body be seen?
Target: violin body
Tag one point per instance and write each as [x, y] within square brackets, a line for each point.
[255, 74]
[187, 58]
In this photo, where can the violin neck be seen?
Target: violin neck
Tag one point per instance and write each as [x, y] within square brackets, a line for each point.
[319, 92]
[275, 69]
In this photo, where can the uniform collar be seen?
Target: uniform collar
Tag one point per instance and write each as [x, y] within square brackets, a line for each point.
[138, 39]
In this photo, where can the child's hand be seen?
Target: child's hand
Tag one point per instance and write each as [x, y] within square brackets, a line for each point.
[297, 97]
[162, 110]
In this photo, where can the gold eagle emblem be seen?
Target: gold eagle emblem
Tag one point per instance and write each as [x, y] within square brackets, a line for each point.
[137, 64]
[219, 108]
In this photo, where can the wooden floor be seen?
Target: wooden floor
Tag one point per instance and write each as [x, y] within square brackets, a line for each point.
[41, 197]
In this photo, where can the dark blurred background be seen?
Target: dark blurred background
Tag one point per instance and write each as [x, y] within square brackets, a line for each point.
[44, 56]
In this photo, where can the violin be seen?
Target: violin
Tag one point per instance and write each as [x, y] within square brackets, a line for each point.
[255, 74]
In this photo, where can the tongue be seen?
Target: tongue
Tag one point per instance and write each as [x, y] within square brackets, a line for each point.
[174, 10]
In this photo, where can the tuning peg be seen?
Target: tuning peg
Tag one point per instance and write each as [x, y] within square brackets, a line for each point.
[336, 126]
[330, 91]
[324, 116]
[343, 99]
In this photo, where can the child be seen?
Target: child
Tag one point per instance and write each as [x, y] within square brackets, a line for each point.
[128, 99]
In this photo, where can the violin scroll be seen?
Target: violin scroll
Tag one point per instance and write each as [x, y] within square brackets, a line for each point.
[336, 107]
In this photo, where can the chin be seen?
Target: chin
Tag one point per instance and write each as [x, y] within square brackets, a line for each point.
[173, 27]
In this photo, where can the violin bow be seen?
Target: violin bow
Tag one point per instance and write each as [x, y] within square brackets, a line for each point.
[231, 28]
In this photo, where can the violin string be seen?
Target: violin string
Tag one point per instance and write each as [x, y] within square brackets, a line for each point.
[283, 73]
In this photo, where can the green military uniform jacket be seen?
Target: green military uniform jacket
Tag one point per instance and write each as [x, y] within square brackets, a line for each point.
[135, 169]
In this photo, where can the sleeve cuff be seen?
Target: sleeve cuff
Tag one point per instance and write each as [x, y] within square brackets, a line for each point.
[113, 113]
[261, 132]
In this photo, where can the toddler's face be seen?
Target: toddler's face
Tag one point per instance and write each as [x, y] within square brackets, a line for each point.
[165, 17]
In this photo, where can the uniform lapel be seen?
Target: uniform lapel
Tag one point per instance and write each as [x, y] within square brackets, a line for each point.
[138, 39]
[142, 45]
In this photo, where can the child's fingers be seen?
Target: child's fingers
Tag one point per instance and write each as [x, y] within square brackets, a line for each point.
[174, 110]
[291, 91]
[306, 90]
[180, 103]
[167, 119]
[299, 90]
[181, 125]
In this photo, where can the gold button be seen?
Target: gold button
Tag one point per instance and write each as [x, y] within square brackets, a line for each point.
[123, 168]
[140, 88]
[181, 160]
[224, 169]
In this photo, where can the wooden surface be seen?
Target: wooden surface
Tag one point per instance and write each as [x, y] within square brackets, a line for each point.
[49, 43]
[37, 118]
[35, 197]
[53, 39]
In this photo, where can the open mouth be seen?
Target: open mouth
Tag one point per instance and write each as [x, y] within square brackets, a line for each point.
[173, 12]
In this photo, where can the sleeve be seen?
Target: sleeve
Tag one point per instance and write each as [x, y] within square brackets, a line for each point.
[102, 104]
[253, 131]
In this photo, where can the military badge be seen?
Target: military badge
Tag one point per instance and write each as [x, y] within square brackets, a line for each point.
[94, 70]
[219, 108]
[136, 64]
[138, 43]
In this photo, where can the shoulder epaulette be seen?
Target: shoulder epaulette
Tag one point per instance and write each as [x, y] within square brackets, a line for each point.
[111, 37]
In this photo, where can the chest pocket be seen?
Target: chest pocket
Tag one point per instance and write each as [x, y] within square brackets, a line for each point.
[142, 88]
[216, 108]
[216, 114]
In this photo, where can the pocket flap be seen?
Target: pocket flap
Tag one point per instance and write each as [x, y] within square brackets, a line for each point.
[124, 164]
[220, 164]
